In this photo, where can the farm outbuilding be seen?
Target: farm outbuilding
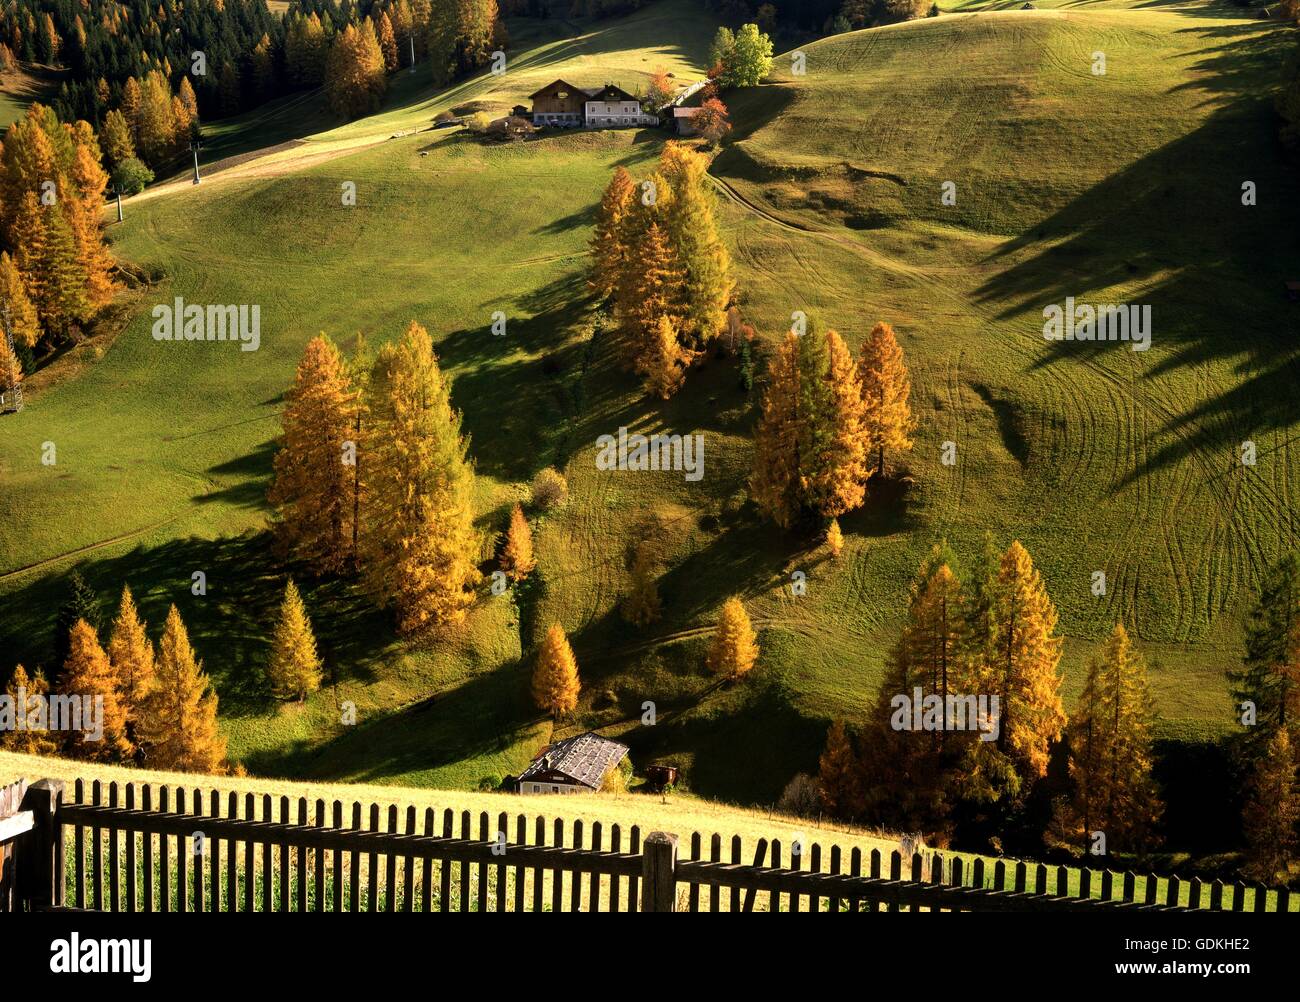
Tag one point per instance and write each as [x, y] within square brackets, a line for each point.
[684, 120]
[660, 777]
[574, 765]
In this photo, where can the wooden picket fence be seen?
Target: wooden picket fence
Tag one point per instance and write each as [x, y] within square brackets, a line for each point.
[179, 850]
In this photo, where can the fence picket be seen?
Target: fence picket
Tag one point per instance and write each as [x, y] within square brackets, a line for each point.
[312, 844]
[390, 865]
[146, 843]
[502, 887]
[521, 837]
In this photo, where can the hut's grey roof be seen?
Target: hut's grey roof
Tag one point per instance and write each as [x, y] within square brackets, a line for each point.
[585, 759]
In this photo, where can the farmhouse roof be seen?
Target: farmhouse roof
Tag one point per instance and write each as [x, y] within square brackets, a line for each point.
[552, 85]
[584, 759]
[685, 112]
[610, 92]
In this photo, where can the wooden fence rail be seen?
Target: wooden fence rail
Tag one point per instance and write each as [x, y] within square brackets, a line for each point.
[178, 850]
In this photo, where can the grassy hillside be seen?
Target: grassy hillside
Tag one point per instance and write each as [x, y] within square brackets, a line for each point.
[23, 85]
[1122, 188]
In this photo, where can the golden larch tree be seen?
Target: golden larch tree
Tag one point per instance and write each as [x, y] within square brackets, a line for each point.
[1110, 752]
[420, 547]
[734, 648]
[832, 443]
[886, 388]
[1272, 811]
[132, 656]
[517, 558]
[88, 676]
[313, 491]
[608, 250]
[650, 291]
[700, 254]
[294, 669]
[774, 482]
[23, 322]
[23, 738]
[664, 362]
[354, 72]
[555, 679]
[1024, 666]
[387, 42]
[835, 538]
[179, 727]
[838, 773]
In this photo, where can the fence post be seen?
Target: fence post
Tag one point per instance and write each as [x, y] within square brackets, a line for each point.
[659, 872]
[42, 856]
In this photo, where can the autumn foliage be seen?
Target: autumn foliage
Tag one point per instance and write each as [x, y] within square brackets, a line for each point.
[555, 684]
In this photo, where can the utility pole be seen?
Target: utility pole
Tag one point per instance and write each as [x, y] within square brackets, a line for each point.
[118, 193]
[412, 51]
[195, 146]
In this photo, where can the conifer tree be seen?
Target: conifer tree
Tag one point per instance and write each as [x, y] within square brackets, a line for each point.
[839, 774]
[88, 676]
[935, 640]
[83, 214]
[1024, 671]
[1268, 682]
[517, 556]
[421, 547]
[115, 137]
[179, 726]
[132, 656]
[700, 254]
[651, 290]
[26, 739]
[306, 50]
[11, 369]
[641, 606]
[186, 114]
[1272, 811]
[609, 251]
[555, 679]
[23, 323]
[664, 361]
[81, 603]
[387, 42]
[155, 125]
[294, 669]
[354, 72]
[834, 539]
[47, 258]
[774, 482]
[832, 453]
[130, 108]
[359, 372]
[734, 648]
[1110, 751]
[314, 488]
[886, 388]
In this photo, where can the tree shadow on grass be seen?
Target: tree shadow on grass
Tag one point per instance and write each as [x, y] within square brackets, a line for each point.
[255, 472]
[229, 627]
[487, 714]
[1172, 224]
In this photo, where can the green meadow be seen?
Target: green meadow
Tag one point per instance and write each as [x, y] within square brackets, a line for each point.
[1120, 188]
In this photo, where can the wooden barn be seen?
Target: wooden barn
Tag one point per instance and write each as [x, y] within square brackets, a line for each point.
[558, 103]
[574, 765]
